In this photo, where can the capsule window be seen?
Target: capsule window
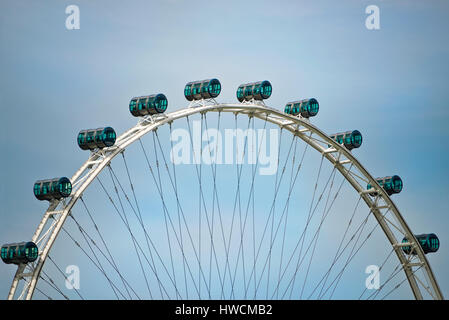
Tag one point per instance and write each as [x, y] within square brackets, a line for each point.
[142, 104]
[313, 108]
[12, 252]
[248, 91]
[98, 137]
[196, 89]
[132, 105]
[240, 93]
[111, 135]
[397, 184]
[81, 138]
[434, 243]
[45, 187]
[53, 186]
[266, 90]
[188, 90]
[339, 139]
[31, 253]
[215, 89]
[348, 140]
[204, 88]
[161, 103]
[90, 136]
[37, 189]
[65, 187]
[4, 253]
[356, 139]
[21, 250]
[295, 109]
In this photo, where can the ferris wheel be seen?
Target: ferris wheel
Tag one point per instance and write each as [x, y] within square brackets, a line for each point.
[270, 207]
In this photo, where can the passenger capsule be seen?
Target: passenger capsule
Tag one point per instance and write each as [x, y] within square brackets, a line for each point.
[204, 89]
[18, 253]
[306, 108]
[56, 188]
[96, 138]
[391, 185]
[428, 242]
[257, 90]
[350, 139]
[142, 106]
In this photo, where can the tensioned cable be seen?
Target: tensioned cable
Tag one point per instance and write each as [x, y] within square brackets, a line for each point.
[134, 240]
[149, 238]
[202, 200]
[378, 273]
[65, 277]
[83, 231]
[359, 230]
[171, 222]
[318, 232]
[309, 218]
[201, 272]
[52, 284]
[325, 214]
[114, 264]
[279, 224]
[183, 216]
[399, 284]
[178, 211]
[39, 290]
[269, 215]
[250, 196]
[138, 245]
[165, 214]
[253, 213]
[95, 255]
[113, 286]
[351, 256]
[286, 210]
[237, 202]
[272, 211]
[275, 183]
[215, 196]
[300, 260]
[326, 276]
[139, 216]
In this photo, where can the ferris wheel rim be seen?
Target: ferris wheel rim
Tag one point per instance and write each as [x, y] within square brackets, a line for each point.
[97, 161]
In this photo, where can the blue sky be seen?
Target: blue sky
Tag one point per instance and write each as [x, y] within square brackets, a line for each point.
[391, 84]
